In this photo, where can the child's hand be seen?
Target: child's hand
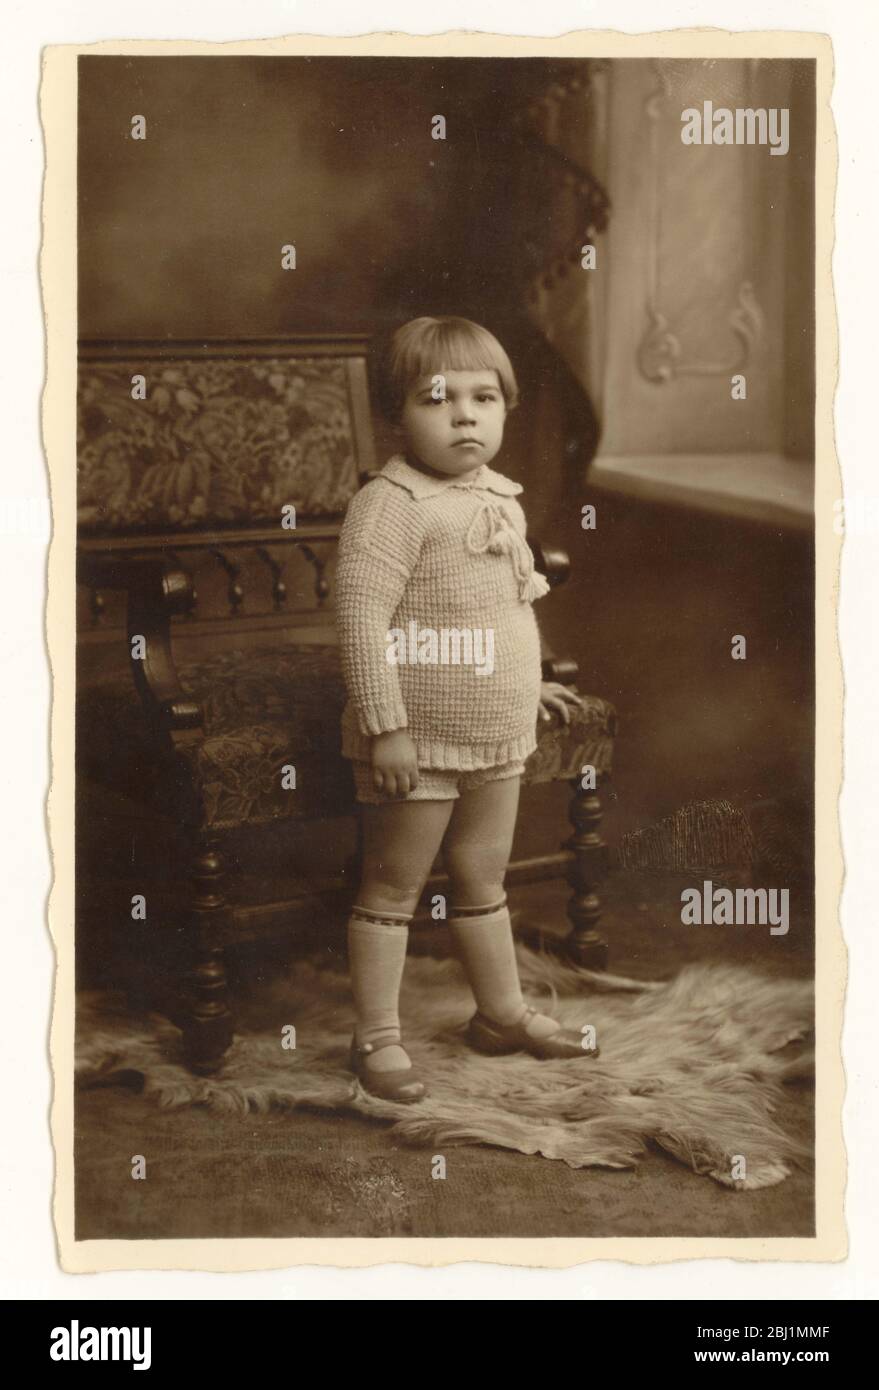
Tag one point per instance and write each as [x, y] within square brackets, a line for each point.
[394, 768]
[556, 696]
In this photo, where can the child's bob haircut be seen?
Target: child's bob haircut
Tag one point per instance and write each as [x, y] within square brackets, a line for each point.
[431, 346]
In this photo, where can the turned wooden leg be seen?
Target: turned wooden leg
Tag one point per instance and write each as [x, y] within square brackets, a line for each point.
[206, 1018]
[586, 870]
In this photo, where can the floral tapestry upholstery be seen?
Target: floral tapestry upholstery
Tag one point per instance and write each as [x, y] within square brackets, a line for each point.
[267, 709]
[216, 440]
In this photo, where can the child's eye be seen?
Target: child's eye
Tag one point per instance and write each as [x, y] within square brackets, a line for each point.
[483, 397]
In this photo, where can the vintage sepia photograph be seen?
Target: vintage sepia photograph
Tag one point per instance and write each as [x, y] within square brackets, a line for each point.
[444, 802]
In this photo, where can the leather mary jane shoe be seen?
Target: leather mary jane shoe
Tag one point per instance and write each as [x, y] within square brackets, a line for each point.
[402, 1084]
[498, 1038]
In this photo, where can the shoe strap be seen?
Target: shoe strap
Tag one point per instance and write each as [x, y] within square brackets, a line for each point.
[529, 1014]
[524, 1017]
[366, 1048]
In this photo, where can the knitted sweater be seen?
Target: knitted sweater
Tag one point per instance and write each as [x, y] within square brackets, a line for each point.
[420, 553]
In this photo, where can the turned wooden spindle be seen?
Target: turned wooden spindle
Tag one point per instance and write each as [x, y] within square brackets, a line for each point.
[235, 589]
[276, 569]
[206, 1018]
[587, 868]
[318, 564]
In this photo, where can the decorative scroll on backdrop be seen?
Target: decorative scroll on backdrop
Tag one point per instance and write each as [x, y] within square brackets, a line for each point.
[215, 441]
[722, 240]
[563, 134]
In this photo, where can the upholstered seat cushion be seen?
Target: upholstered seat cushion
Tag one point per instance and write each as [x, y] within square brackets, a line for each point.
[268, 710]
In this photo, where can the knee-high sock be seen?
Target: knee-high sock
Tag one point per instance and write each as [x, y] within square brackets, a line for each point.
[483, 941]
[376, 957]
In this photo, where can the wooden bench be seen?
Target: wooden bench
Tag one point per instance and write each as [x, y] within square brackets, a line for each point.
[209, 683]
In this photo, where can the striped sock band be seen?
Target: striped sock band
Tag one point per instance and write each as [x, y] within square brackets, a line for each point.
[385, 919]
[479, 911]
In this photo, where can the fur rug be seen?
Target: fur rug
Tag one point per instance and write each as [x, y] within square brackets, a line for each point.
[695, 1066]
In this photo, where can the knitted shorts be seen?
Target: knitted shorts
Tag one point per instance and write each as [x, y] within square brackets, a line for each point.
[434, 783]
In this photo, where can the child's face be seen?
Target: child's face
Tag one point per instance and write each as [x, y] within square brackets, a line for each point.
[456, 434]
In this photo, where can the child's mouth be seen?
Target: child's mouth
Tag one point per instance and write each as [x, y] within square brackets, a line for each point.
[471, 443]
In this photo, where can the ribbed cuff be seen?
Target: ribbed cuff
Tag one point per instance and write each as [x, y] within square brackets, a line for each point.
[382, 717]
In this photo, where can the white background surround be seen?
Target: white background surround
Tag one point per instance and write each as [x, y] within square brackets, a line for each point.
[29, 1269]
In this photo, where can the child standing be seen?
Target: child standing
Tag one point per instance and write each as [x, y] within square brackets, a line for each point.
[441, 658]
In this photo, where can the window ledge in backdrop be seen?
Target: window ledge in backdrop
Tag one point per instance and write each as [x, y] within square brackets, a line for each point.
[758, 487]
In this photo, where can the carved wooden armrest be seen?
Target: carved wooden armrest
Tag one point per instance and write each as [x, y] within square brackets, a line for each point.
[156, 590]
[552, 562]
[559, 668]
[555, 564]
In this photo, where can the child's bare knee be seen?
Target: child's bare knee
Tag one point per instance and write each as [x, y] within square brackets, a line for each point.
[389, 893]
[474, 882]
[483, 864]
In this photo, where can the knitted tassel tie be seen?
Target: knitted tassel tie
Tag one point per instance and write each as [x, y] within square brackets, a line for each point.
[502, 538]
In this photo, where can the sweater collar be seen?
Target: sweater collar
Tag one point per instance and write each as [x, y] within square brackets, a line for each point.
[397, 470]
